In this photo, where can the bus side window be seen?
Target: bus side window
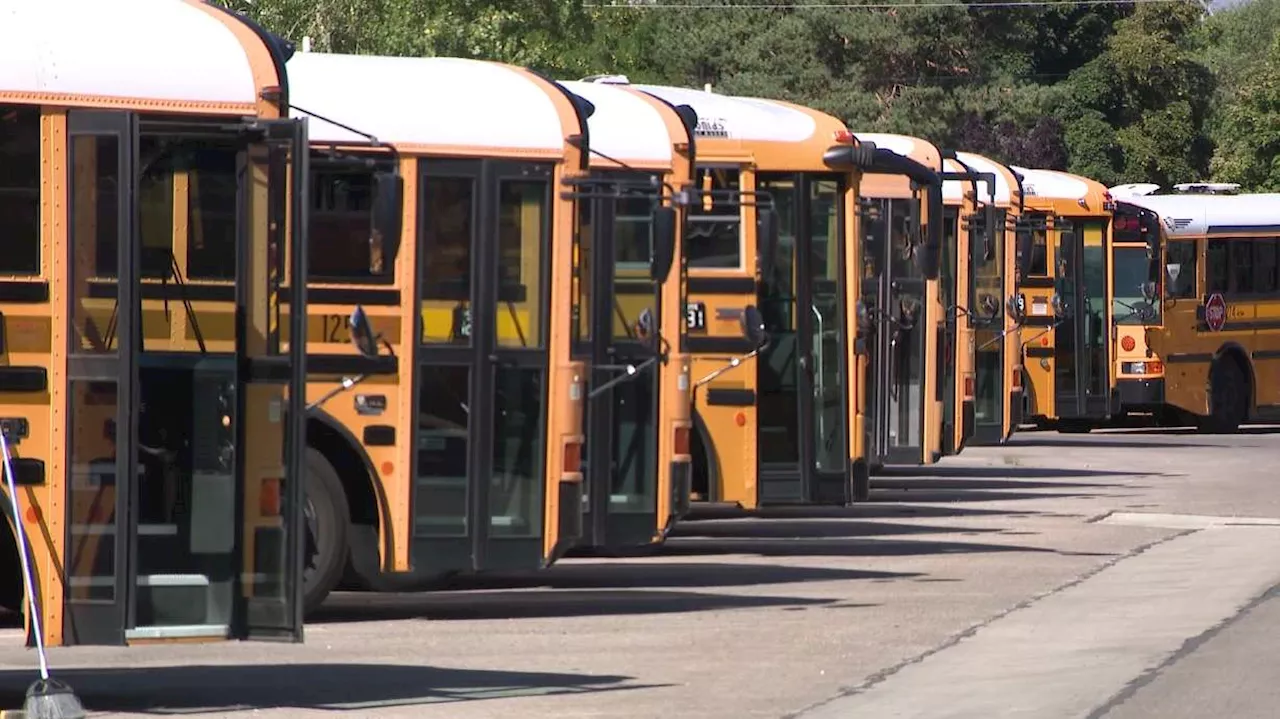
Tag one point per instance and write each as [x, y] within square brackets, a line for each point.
[1183, 254]
[1039, 266]
[1241, 253]
[1265, 265]
[1217, 273]
[20, 190]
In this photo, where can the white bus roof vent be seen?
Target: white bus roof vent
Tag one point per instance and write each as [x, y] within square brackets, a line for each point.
[1208, 188]
[1136, 189]
[608, 79]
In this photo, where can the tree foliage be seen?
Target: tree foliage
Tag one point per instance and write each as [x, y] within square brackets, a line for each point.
[1127, 92]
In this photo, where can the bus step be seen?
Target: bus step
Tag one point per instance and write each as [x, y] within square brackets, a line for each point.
[173, 599]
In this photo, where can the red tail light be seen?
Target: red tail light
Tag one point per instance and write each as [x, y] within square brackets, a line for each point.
[1017, 380]
[681, 440]
[1127, 344]
[269, 497]
[843, 137]
[572, 457]
[968, 387]
[1155, 367]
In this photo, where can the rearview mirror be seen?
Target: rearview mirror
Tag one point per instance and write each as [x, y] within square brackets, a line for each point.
[362, 333]
[1059, 307]
[388, 213]
[766, 239]
[664, 242]
[753, 325]
[644, 324]
[1016, 306]
[1173, 272]
[1149, 291]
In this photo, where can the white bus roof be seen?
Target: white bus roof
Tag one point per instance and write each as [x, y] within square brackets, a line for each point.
[144, 54]
[739, 118]
[1184, 215]
[425, 103]
[953, 190]
[905, 145]
[1051, 183]
[1004, 193]
[624, 125]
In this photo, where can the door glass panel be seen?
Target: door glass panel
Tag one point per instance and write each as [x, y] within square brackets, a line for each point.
[95, 237]
[778, 379]
[516, 486]
[633, 288]
[1065, 285]
[582, 278]
[1094, 306]
[633, 478]
[906, 346]
[448, 218]
[186, 509]
[521, 240]
[91, 435]
[988, 343]
[444, 445]
[828, 327]
[713, 237]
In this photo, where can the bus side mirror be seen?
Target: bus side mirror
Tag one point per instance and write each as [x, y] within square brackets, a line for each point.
[1173, 272]
[362, 333]
[992, 235]
[753, 325]
[1016, 306]
[664, 242]
[766, 239]
[388, 213]
[928, 250]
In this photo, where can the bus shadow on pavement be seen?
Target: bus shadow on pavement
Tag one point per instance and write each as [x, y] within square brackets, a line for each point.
[173, 690]
[546, 603]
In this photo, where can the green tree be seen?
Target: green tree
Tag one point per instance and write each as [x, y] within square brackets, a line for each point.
[1137, 112]
[1249, 138]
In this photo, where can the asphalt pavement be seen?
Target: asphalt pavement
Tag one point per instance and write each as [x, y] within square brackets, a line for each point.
[1117, 574]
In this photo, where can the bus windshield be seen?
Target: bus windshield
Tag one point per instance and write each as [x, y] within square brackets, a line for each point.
[1130, 272]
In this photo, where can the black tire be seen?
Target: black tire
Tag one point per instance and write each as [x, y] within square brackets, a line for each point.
[1228, 398]
[327, 519]
[860, 482]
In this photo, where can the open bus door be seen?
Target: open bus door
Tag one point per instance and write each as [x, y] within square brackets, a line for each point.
[184, 491]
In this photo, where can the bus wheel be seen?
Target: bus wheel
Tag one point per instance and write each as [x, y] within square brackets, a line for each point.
[327, 517]
[1228, 398]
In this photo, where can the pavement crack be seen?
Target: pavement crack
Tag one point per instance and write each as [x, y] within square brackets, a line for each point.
[884, 674]
[1187, 649]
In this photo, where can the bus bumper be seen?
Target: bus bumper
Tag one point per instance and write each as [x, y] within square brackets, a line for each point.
[681, 488]
[1140, 394]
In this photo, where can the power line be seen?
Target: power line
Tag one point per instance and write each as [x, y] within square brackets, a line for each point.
[641, 5]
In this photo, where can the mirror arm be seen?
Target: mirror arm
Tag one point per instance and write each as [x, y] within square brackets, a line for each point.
[736, 361]
[630, 372]
[346, 384]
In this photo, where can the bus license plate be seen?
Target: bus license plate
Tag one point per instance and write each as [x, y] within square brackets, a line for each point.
[696, 315]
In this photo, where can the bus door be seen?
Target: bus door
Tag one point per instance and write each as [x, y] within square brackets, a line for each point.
[893, 291]
[481, 367]
[802, 426]
[184, 461]
[989, 315]
[625, 244]
[1081, 387]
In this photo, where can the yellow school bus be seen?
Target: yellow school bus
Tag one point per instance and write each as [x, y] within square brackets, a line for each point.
[766, 244]
[628, 308]
[994, 309]
[1065, 287]
[1218, 282]
[466, 455]
[156, 444]
[967, 207]
[900, 302]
